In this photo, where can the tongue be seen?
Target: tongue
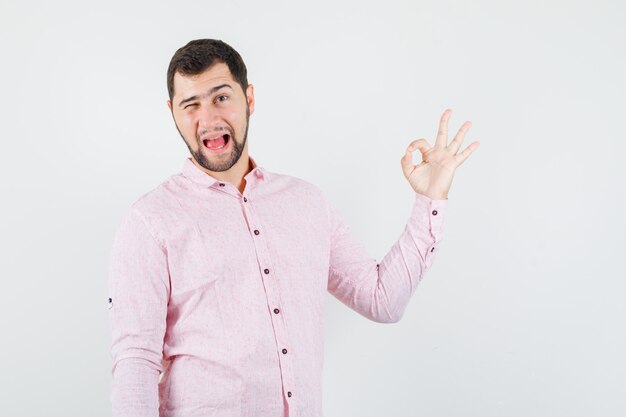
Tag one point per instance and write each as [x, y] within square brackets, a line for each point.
[216, 143]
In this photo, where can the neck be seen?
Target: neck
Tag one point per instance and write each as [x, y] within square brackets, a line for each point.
[235, 174]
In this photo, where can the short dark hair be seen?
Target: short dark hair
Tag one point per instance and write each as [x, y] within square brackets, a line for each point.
[199, 55]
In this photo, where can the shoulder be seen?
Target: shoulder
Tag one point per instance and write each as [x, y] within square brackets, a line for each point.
[298, 184]
[301, 193]
[156, 199]
[155, 206]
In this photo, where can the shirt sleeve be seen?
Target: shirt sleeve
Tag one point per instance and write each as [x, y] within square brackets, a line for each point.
[381, 291]
[138, 295]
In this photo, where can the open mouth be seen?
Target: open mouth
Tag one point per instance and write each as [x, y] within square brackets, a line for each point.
[217, 144]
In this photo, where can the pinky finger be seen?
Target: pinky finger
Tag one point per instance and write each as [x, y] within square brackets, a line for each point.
[462, 156]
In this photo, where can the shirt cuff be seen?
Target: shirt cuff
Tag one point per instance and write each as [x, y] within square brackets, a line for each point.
[430, 214]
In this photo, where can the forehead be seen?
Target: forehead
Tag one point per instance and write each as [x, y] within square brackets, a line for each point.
[185, 85]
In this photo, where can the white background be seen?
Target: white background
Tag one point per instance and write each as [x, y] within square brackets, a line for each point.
[522, 313]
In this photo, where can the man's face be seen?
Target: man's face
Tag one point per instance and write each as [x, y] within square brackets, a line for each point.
[211, 114]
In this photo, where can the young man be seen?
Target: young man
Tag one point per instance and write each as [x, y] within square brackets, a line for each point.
[217, 277]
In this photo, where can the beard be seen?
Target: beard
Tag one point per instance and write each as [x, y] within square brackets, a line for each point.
[219, 165]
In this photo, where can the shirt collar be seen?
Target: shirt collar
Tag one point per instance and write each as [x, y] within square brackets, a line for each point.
[191, 171]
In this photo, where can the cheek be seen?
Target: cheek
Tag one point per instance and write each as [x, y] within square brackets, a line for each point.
[236, 118]
[187, 124]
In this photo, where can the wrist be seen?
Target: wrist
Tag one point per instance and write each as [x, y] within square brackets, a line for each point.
[435, 196]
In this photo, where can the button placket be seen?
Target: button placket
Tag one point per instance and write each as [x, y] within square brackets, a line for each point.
[272, 298]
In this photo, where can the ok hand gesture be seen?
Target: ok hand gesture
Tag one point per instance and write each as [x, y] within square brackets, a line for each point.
[433, 176]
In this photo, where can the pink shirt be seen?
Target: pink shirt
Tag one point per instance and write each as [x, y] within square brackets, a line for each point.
[217, 297]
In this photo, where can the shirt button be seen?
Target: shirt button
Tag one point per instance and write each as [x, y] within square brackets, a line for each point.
[434, 212]
[256, 232]
[432, 250]
[221, 184]
[276, 311]
[289, 394]
[267, 271]
[284, 351]
[245, 199]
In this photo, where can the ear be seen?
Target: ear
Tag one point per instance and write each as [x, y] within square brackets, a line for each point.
[250, 97]
[169, 105]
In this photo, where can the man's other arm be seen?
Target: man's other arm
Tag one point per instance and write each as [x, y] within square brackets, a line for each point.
[139, 291]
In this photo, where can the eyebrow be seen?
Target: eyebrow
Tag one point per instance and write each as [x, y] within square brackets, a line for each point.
[211, 91]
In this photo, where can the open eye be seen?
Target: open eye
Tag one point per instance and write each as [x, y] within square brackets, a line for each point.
[221, 98]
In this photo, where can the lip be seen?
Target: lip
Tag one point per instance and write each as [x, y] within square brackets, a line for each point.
[218, 151]
[215, 137]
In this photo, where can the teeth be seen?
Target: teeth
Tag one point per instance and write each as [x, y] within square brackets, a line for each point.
[220, 147]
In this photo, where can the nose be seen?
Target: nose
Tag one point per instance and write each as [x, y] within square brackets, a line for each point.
[209, 119]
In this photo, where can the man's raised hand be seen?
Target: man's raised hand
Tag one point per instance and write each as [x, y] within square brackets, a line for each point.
[433, 176]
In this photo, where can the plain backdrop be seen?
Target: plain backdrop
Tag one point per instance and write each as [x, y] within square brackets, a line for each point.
[522, 313]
